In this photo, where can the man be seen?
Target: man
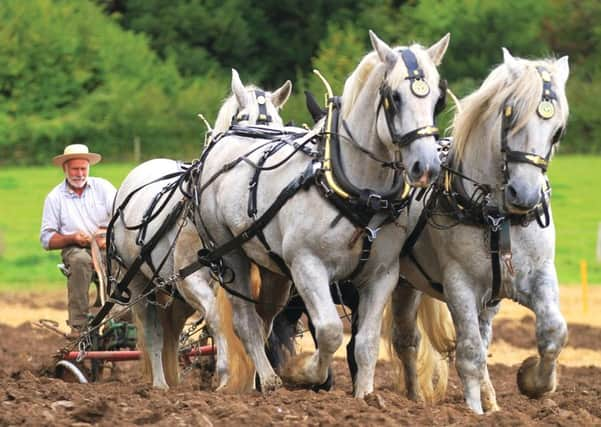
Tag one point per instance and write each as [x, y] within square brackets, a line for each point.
[75, 211]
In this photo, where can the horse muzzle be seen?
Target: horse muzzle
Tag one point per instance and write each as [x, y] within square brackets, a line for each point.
[422, 174]
[521, 198]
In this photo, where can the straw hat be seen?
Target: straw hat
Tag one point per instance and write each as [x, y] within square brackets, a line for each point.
[76, 151]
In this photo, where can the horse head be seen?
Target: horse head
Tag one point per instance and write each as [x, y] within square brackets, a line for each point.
[533, 120]
[411, 94]
[252, 105]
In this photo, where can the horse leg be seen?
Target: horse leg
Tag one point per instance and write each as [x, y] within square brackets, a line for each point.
[372, 300]
[470, 351]
[152, 336]
[280, 346]
[197, 291]
[248, 324]
[537, 375]
[312, 282]
[405, 336]
[487, 391]
[273, 295]
[350, 299]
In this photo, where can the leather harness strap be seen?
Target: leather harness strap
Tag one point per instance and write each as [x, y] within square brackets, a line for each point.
[209, 257]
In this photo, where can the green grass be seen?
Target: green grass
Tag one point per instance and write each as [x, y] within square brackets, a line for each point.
[577, 214]
[25, 265]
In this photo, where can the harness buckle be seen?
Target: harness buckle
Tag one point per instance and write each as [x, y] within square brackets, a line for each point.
[375, 201]
[372, 233]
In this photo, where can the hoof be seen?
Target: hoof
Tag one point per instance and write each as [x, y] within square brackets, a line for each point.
[299, 372]
[270, 384]
[490, 407]
[160, 386]
[327, 386]
[415, 396]
[528, 382]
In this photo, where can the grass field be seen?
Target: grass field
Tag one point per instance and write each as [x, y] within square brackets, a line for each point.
[25, 265]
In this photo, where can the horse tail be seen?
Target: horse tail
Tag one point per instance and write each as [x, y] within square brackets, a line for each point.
[241, 369]
[173, 319]
[140, 343]
[437, 343]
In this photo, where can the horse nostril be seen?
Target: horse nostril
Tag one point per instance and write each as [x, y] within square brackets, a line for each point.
[511, 192]
[417, 170]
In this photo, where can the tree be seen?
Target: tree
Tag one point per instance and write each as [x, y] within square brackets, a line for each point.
[70, 74]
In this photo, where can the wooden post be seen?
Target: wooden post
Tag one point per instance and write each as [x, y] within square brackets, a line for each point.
[137, 150]
[584, 282]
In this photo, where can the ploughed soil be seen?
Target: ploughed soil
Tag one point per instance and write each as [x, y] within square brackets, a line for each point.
[30, 395]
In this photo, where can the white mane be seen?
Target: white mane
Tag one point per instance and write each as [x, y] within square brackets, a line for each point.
[501, 86]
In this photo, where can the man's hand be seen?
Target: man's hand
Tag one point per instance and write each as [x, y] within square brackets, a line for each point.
[100, 237]
[60, 241]
[81, 239]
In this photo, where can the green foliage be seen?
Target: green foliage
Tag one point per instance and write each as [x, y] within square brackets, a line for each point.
[338, 55]
[575, 30]
[478, 31]
[88, 81]
[144, 68]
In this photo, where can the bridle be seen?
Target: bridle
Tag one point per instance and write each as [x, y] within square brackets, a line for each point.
[545, 110]
[263, 118]
[390, 101]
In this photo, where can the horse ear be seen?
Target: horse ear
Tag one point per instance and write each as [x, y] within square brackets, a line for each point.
[384, 51]
[563, 70]
[438, 49]
[239, 90]
[512, 63]
[280, 96]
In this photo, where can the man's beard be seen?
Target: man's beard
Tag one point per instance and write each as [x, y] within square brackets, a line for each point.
[77, 182]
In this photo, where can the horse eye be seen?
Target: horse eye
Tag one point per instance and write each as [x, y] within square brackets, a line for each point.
[396, 97]
[557, 136]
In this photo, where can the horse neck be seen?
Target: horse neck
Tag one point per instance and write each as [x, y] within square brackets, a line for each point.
[361, 121]
[481, 158]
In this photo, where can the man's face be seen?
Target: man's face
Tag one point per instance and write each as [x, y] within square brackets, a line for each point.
[76, 172]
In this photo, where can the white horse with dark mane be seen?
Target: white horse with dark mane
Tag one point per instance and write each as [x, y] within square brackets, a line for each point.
[490, 232]
[325, 214]
[147, 196]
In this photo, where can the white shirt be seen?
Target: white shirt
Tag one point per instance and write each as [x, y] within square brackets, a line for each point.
[66, 213]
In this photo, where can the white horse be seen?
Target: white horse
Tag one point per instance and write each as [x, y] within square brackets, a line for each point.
[487, 236]
[161, 328]
[386, 115]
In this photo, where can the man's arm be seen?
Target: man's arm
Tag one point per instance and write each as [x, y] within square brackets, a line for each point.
[60, 241]
[50, 238]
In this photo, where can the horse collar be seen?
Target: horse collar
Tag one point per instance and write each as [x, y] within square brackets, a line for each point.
[359, 205]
